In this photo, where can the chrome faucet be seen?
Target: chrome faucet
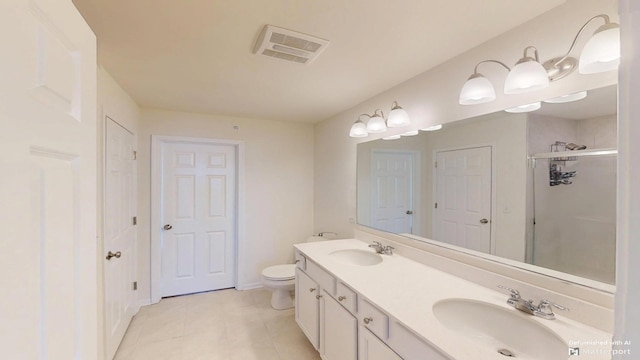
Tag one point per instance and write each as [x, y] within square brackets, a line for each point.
[382, 249]
[544, 309]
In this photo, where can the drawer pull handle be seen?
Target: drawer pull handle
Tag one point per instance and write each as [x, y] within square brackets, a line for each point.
[340, 298]
[367, 320]
[312, 289]
[318, 297]
[297, 261]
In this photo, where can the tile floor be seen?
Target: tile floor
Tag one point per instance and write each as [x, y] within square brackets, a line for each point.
[224, 324]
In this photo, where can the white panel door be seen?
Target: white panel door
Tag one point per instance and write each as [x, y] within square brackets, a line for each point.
[199, 217]
[48, 258]
[119, 234]
[463, 196]
[392, 191]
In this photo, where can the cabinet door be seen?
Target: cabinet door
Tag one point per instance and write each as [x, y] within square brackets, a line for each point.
[338, 331]
[372, 348]
[307, 308]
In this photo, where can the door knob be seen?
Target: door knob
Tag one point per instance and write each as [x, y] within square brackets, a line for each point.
[484, 221]
[112, 255]
[167, 227]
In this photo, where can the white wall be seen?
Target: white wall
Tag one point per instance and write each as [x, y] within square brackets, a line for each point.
[115, 103]
[278, 184]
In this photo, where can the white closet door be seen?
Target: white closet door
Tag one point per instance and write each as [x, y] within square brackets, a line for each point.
[119, 256]
[48, 155]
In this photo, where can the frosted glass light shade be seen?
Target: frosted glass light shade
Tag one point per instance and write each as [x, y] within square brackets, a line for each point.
[358, 129]
[477, 90]
[433, 128]
[398, 117]
[527, 75]
[525, 108]
[410, 133]
[392, 137]
[602, 51]
[376, 124]
[567, 98]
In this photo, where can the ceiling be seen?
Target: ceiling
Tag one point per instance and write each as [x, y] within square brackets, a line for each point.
[196, 55]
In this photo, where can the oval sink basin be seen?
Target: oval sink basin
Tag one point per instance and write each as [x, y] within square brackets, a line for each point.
[507, 332]
[356, 257]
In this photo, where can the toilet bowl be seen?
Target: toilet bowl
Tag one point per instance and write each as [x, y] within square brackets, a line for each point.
[280, 279]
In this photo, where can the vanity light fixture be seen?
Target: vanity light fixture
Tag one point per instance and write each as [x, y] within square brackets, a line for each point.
[478, 89]
[527, 75]
[433, 128]
[600, 53]
[567, 98]
[358, 129]
[376, 123]
[398, 117]
[525, 108]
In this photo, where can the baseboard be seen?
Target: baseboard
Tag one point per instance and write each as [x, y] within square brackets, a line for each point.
[143, 302]
[249, 286]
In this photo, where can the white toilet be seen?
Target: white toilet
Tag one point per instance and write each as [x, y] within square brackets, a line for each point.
[281, 280]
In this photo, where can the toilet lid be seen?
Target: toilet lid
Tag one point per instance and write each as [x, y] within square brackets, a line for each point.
[280, 272]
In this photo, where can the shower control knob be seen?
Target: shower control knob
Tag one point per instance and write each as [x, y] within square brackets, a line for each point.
[484, 221]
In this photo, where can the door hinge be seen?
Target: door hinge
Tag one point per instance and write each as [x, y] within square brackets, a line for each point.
[436, 205]
[135, 155]
[134, 286]
[134, 220]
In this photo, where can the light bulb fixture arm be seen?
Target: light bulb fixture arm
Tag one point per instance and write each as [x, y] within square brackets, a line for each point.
[475, 69]
[575, 39]
[535, 54]
[376, 113]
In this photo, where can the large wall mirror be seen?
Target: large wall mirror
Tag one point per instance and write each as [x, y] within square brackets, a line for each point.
[537, 187]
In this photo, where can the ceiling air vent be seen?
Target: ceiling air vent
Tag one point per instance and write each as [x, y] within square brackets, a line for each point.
[289, 45]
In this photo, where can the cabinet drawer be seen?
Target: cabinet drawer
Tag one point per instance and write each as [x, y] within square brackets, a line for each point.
[301, 261]
[346, 297]
[326, 281]
[409, 345]
[373, 319]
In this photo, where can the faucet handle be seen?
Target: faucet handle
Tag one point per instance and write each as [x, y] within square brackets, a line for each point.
[515, 294]
[388, 250]
[545, 306]
[375, 244]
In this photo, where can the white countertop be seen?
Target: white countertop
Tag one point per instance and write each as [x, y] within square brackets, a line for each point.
[407, 290]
